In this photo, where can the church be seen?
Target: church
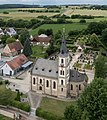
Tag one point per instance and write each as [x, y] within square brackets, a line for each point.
[55, 78]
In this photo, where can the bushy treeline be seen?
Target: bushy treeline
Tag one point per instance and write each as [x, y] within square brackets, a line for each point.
[20, 23]
[98, 7]
[39, 11]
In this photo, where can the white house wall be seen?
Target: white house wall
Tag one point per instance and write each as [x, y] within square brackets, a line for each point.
[6, 70]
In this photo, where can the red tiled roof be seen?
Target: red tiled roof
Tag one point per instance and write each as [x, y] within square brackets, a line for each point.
[17, 62]
[42, 39]
[15, 45]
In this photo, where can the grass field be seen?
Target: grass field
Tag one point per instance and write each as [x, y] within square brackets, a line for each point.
[6, 95]
[54, 106]
[56, 27]
[38, 51]
[4, 118]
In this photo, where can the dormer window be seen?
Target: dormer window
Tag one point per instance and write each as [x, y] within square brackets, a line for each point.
[36, 68]
[43, 69]
[50, 70]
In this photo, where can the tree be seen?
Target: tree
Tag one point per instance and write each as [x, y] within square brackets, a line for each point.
[41, 31]
[72, 113]
[82, 21]
[93, 101]
[49, 32]
[18, 96]
[10, 40]
[104, 36]
[4, 38]
[94, 40]
[24, 34]
[96, 27]
[27, 51]
[61, 20]
[100, 67]
[51, 49]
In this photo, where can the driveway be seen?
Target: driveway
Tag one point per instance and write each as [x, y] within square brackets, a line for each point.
[22, 85]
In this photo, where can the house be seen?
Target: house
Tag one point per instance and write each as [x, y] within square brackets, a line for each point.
[55, 78]
[10, 31]
[12, 67]
[1, 32]
[42, 40]
[13, 49]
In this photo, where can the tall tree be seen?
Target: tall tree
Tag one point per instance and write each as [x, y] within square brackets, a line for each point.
[27, 51]
[24, 34]
[93, 100]
[104, 36]
[94, 40]
[100, 67]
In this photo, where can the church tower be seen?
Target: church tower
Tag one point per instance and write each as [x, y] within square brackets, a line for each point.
[63, 69]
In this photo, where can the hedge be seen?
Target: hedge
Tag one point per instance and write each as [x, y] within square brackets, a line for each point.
[22, 106]
[47, 115]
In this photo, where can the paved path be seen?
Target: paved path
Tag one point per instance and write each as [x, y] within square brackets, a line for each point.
[75, 59]
[35, 100]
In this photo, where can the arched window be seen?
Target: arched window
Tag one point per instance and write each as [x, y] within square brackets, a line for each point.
[60, 72]
[61, 89]
[62, 61]
[71, 87]
[63, 72]
[79, 87]
[40, 88]
[40, 81]
[34, 81]
[62, 82]
[47, 83]
[54, 85]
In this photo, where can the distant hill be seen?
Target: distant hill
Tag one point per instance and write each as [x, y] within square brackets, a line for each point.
[17, 6]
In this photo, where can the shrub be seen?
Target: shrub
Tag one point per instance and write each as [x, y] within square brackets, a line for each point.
[22, 106]
[7, 82]
[1, 82]
[82, 21]
[5, 12]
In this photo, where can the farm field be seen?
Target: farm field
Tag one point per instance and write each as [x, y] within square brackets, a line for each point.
[24, 15]
[56, 27]
[14, 14]
[70, 12]
[56, 107]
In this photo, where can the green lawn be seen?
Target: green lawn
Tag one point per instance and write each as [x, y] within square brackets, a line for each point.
[7, 97]
[56, 107]
[78, 65]
[56, 27]
[4, 118]
[38, 51]
[88, 66]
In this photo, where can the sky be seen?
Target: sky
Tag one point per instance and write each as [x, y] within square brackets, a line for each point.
[53, 2]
